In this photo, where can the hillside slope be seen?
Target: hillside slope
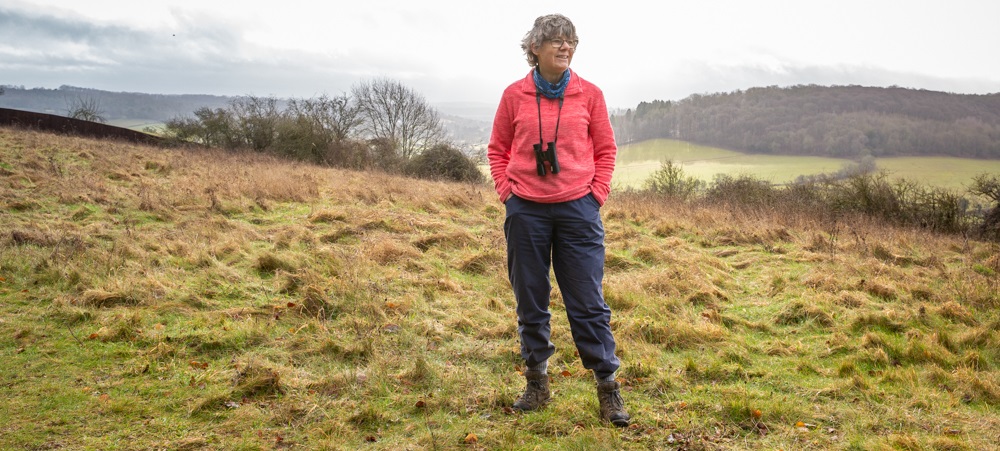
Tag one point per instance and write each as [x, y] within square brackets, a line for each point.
[180, 299]
[833, 121]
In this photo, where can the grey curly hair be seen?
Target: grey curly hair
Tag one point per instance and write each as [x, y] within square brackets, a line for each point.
[546, 27]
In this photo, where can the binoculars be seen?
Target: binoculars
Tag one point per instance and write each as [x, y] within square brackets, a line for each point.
[549, 155]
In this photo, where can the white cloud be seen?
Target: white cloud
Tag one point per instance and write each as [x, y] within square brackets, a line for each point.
[453, 51]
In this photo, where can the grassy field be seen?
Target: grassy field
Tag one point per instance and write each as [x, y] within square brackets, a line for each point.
[637, 161]
[174, 299]
[140, 125]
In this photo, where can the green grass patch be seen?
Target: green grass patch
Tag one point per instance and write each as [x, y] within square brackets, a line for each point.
[637, 161]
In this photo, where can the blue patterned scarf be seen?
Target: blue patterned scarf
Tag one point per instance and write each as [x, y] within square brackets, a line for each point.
[549, 90]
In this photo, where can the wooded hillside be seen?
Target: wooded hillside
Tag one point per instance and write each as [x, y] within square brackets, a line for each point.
[113, 105]
[838, 121]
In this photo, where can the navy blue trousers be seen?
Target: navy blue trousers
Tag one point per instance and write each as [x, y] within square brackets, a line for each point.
[570, 237]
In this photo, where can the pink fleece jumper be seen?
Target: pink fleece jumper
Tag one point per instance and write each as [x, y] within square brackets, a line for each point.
[586, 147]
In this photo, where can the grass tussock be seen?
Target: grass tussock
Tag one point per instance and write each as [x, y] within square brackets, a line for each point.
[104, 299]
[191, 299]
[256, 379]
[799, 312]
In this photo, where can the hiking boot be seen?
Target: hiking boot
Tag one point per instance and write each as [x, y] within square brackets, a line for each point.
[536, 394]
[612, 404]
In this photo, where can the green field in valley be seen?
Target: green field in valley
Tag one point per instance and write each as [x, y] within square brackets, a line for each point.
[637, 161]
[137, 124]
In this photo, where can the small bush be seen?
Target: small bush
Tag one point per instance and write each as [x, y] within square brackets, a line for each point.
[444, 162]
[989, 186]
[745, 190]
[669, 180]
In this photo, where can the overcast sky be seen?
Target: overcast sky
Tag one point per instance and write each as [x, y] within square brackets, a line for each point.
[468, 51]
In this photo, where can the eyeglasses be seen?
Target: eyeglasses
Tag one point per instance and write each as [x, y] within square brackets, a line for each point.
[558, 43]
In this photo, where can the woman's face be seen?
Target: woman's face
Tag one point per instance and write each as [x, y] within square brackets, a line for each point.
[554, 60]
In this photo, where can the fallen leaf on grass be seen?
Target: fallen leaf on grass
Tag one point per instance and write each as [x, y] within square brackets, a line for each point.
[198, 365]
[421, 404]
[194, 383]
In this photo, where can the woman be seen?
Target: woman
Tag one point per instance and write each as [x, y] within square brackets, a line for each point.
[551, 153]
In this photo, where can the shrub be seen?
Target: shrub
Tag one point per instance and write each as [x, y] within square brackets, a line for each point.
[669, 180]
[989, 186]
[213, 128]
[444, 162]
[380, 153]
[870, 194]
[743, 190]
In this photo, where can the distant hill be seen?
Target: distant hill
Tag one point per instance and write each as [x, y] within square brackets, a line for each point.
[837, 121]
[114, 105]
[467, 123]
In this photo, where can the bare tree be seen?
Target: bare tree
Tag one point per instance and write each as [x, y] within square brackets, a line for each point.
[256, 120]
[397, 114]
[320, 130]
[86, 109]
[337, 116]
